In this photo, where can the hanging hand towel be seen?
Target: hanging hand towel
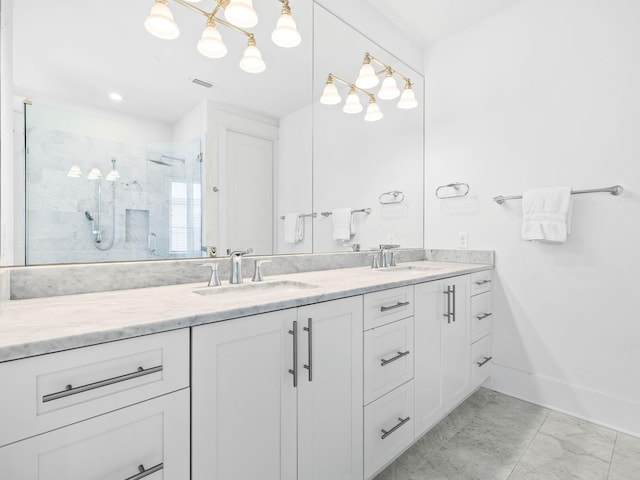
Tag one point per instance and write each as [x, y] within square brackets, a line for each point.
[293, 228]
[343, 227]
[546, 214]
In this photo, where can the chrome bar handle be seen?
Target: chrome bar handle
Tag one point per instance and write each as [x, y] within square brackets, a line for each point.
[69, 390]
[453, 302]
[448, 294]
[293, 371]
[384, 362]
[391, 307]
[486, 359]
[482, 282]
[310, 340]
[482, 316]
[144, 473]
[402, 421]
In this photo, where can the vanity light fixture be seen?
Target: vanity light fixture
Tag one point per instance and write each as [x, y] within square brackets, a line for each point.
[368, 78]
[331, 96]
[239, 15]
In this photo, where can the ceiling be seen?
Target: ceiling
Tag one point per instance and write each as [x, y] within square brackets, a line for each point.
[429, 21]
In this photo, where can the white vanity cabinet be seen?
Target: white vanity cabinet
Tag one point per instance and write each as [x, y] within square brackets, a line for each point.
[442, 351]
[278, 396]
[116, 410]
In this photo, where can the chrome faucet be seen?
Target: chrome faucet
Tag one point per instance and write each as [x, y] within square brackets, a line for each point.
[383, 254]
[214, 280]
[257, 273]
[236, 264]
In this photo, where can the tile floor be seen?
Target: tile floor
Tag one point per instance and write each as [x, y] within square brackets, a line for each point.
[492, 436]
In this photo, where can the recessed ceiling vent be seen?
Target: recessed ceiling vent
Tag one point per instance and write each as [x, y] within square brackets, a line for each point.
[203, 83]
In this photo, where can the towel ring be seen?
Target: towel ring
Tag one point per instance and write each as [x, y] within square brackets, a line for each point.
[457, 186]
[387, 198]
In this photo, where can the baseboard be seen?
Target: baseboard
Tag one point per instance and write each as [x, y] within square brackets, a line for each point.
[597, 407]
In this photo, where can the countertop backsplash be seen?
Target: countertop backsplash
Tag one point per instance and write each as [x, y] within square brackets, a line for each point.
[20, 283]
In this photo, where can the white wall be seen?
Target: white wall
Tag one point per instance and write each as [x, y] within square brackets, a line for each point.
[548, 93]
[293, 178]
[6, 135]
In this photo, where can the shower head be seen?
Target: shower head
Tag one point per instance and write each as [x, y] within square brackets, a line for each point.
[88, 215]
[165, 160]
[159, 162]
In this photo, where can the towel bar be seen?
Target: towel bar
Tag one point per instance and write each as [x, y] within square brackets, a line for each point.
[615, 190]
[362, 210]
[313, 215]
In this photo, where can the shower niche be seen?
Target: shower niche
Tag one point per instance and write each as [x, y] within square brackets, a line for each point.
[97, 191]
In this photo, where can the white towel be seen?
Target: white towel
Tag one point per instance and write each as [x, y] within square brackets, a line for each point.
[293, 228]
[546, 214]
[343, 224]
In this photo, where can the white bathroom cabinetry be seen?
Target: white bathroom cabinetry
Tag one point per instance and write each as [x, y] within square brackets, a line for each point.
[442, 350]
[251, 421]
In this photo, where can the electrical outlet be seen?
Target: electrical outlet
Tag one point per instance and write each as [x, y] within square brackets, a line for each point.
[463, 240]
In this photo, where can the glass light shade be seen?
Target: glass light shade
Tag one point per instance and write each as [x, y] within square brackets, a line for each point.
[160, 22]
[286, 33]
[330, 95]
[241, 13]
[407, 99]
[113, 176]
[389, 89]
[252, 60]
[94, 174]
[373, 112]
[210, 44]
[367, 77]
[352, 105]
[74, 172]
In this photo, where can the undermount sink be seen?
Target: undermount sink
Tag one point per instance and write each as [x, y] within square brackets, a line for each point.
[266, 286]
[411, 268]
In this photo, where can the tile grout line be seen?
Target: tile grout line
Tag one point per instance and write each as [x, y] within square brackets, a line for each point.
[613, 451]
[529, 444]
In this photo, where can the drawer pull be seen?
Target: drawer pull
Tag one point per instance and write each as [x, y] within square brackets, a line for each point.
[384, 362]
[402, 421]
[486, 359]
[69, 390]
[144, 473]
[482, 282]
[397, 305]
[482, 316]
[309, 330]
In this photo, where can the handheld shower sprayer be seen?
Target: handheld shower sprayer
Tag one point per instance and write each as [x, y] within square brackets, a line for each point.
[97, 235]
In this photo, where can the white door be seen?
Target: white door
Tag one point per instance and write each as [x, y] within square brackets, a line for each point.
[149, 436]
[248, 192]
[429, 308]
[243, 399]
[330, 391]
[456, 351]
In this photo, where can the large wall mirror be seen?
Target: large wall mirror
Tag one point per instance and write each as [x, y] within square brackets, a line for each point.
[207, 155]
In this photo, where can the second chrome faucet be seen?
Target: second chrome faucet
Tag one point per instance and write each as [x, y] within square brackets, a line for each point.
[236, 264]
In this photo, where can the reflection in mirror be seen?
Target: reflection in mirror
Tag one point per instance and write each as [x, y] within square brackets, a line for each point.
[358, 154]
[253, 132]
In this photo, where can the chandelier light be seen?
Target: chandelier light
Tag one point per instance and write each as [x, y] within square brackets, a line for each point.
[113, 175]
[330, 94]
[94, 174]
[239, 15]
[367, 77]
[389, 89]
[373, 111]
[408, 98]
[74, 172]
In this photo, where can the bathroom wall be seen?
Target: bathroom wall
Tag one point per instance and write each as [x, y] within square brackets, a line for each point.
[547, 93]
[293, 178]
[6, 136]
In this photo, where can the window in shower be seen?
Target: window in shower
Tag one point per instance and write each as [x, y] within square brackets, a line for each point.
[185, 217]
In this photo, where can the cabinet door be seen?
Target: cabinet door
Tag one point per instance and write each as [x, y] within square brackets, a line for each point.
[151, 437]
[430, 306]
[456, 352]
[442, 353]
[243, 399]
[330, 391]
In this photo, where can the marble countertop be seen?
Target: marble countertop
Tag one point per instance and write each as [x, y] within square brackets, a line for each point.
[45, 325]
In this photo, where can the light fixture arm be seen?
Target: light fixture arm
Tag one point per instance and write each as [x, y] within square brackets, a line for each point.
[386, 68]
[352, 85]
[212, 15]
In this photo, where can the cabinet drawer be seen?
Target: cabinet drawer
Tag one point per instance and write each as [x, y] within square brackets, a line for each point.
[388, 427]
[51, 391]
[388, 358]
[153, 435]
[481, 360]
[481, 318]
[480, 282]
[387, 306]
